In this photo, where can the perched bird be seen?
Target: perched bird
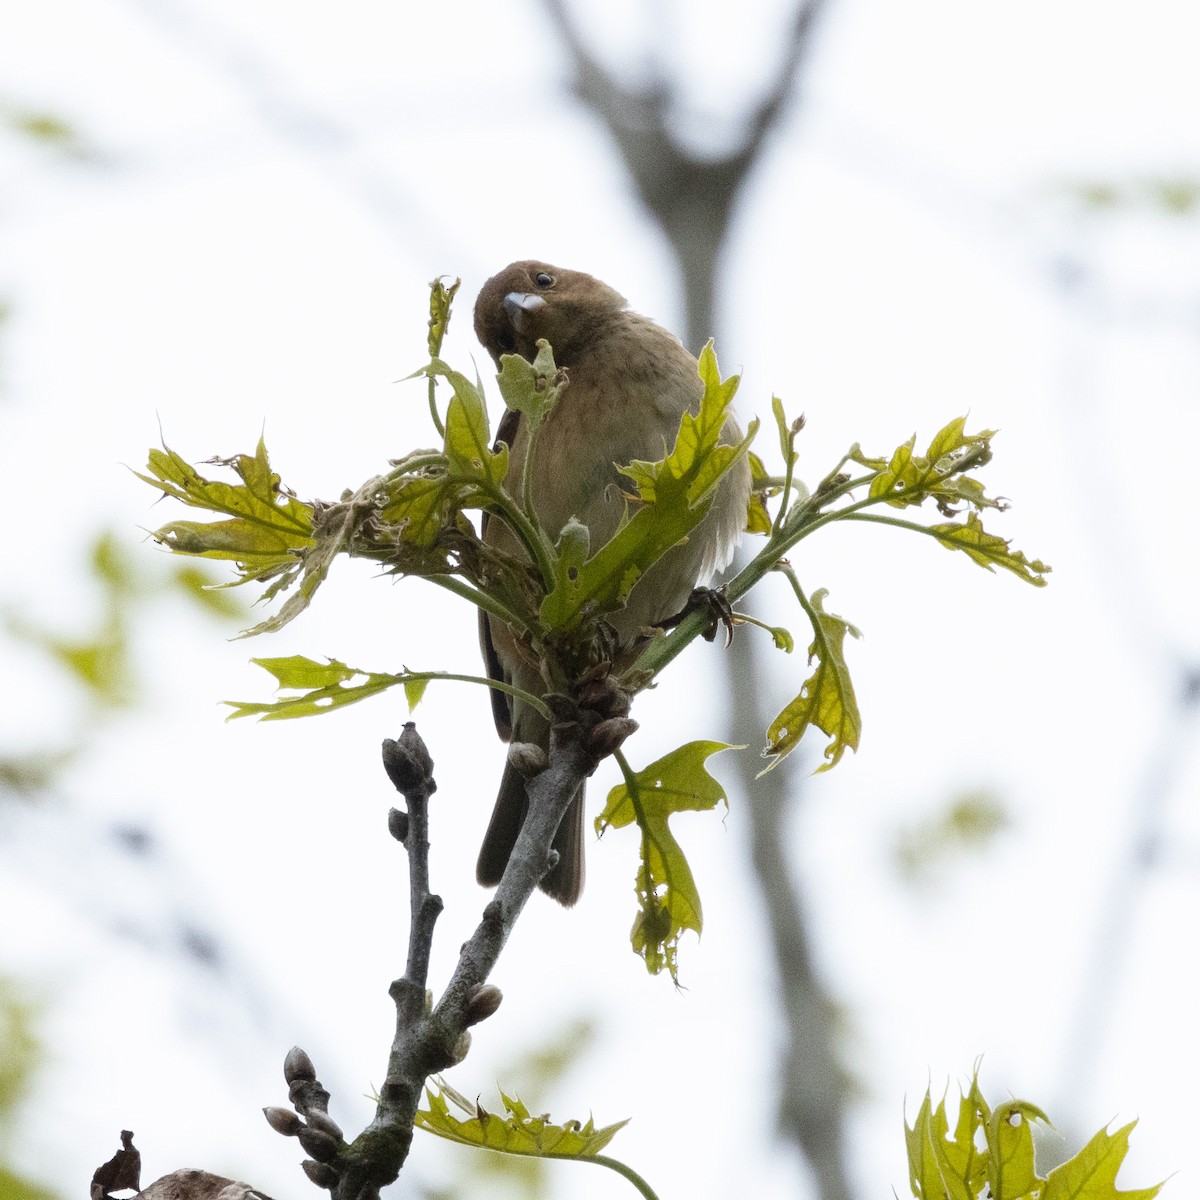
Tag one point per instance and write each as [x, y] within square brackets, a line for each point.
[630, 382]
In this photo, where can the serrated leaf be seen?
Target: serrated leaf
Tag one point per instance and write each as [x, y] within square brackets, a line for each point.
[531, 388]
[441, 299]
[1009, 1134]
[958, 1167]
[673, 496]
[910, 478]
[1092, 1173]
[468, 440]
[321, 687]
[988, 550]
[668, 898]
[826, 701]
[515, 1132]
[267, 529]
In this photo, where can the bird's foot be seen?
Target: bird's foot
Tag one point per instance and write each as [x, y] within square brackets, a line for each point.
[715, 604]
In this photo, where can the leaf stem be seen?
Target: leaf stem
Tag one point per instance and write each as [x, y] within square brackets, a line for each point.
[614, 1164]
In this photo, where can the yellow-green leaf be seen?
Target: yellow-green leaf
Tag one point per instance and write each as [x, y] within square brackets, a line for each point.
[988, 550]
[826, 700]
[668, 899]
[673, 497]
[514, 1132]
[1092, 1173]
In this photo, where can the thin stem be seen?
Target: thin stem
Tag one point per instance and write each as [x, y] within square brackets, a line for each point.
[517, 693]
[433, 412]
[629, 1173]
[526, 529]
[480, 599]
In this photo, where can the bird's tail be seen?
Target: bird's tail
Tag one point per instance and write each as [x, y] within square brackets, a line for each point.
[564, 882]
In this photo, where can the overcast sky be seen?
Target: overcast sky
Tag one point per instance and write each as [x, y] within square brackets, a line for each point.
[245, 247]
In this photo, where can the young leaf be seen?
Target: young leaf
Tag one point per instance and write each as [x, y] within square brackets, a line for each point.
[667, 895]
[988, 550]
[441, 298]
[267, 528]
[1009, 1136]
[531, 388]
[827, 698]
[324, 686]
[964, 1166]
[910, 478]
[516, 1132]
[1092, 1173]
[321, 687]
[673, 497]
[468, 441]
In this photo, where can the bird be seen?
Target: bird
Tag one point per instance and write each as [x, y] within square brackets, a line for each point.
[629, 384]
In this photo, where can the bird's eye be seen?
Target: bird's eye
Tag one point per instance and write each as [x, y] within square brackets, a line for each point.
[543, 280]
[506, 342]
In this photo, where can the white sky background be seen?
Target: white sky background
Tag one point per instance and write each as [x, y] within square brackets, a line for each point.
[276, 184]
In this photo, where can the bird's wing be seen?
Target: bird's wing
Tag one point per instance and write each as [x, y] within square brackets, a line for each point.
[501, 708]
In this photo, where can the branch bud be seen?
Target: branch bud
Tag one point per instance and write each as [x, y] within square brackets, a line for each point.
[283, 1120]
[323, 1175]
[324, 1122]
[608, 735]
[407, 762]
[527, 759]
[398, 825]
[461, 1048]
[319, 1144]
[483, 1002]
[298, 1067]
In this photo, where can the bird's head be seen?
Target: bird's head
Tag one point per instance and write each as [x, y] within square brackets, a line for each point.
[530, 300]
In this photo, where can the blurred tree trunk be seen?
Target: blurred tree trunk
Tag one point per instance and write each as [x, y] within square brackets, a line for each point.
[694, 201]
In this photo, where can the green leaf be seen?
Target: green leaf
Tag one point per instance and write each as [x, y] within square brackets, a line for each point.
[468, 440]
[941, 1167]
[322, 687]
[515, 1132]
[441, 298]
[668, 899]
[1001, 1165]
[1092, 1173]
[673, 496]
[988, 550]
[531, 388]
[940, 473]
[827, 699]
[1009, 1135]
[267, 528]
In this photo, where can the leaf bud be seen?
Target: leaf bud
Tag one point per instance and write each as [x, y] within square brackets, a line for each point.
[323, 1175]
[324, 1122]
[483, 1002]
[461, 1048]
[319, 1144]
[283, 1120]
[608, 735]
[398, 825]
[298, 1067]
[527, 759]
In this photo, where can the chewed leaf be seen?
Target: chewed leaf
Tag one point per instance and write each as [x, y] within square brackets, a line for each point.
[826, 700]
[515, 1131]
[667, 895]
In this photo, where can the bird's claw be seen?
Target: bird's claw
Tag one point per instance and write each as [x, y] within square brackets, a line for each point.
[715, 604]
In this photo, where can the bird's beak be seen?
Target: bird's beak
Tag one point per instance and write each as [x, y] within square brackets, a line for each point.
[519, 305]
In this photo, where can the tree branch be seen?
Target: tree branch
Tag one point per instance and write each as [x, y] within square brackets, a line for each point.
[430, 1039]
